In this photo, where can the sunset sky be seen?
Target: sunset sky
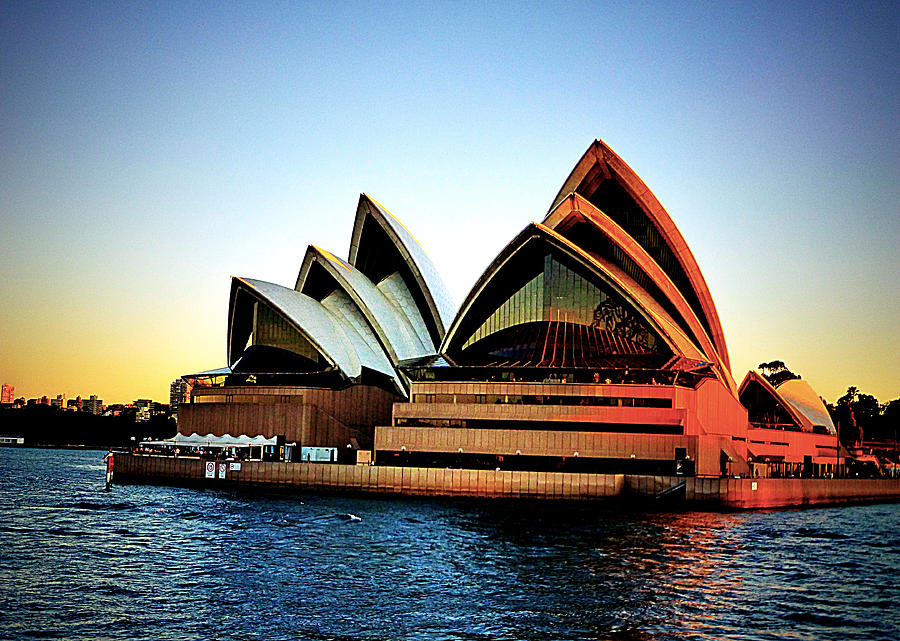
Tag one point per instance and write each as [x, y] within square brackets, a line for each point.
[148, 152]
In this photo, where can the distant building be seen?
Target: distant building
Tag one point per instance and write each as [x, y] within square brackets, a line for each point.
[178, 392]
[115, 409]
[59, 401]
[93, 405]
[145, 409]
[7, 395]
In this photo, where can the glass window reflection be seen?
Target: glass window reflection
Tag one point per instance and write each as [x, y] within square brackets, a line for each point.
[561, 317]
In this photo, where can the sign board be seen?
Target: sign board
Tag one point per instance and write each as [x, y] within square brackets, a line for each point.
[222, 468]
[210, 470]
[234, 467]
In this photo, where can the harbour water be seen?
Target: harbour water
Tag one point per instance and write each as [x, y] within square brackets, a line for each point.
[149, 562]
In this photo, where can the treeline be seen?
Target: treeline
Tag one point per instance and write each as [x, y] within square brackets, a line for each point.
[860, 417]
[44, 425]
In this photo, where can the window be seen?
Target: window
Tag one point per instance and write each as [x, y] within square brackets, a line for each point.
[559, 317]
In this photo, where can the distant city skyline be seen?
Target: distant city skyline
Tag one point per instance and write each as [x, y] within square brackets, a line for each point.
[92, 404]
[149, 154]
[177, 390]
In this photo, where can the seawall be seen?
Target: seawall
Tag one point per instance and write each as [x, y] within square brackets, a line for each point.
[702, 493]
[374, 479]
[771, 493]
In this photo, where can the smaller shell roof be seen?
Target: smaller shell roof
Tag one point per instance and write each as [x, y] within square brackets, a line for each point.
[393, 326]
[349, 353]
[798, 398]
[803, 398]
[756, 378]
[423, 269]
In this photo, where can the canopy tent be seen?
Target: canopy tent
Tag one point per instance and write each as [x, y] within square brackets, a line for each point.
[211, 440]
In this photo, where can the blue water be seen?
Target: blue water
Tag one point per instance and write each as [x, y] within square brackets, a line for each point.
[144, 562]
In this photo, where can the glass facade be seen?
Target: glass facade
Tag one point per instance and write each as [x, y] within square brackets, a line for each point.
[560, 317]
[270, 329]
[596, 243]
[764, 410]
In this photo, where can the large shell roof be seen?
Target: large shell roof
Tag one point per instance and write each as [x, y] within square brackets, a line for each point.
[604, 179]
[606, 271]
[619, 248]
[631, 241]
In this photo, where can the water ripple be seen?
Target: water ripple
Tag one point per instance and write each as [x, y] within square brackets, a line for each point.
[144, 562]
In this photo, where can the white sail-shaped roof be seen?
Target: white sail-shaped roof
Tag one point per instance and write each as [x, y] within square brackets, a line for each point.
[393, 328]
[420, 275]
[339, 342]
[802, 397]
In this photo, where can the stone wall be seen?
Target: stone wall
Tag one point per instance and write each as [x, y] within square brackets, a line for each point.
[371, 478]
[764, 493]
[306, 416]
[705, 493]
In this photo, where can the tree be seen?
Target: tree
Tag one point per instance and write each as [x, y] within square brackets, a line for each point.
[888, 424]
[47, 425]
[776, 372]
[850, 397]
[844, 418]
[862, 418]
[867, 412]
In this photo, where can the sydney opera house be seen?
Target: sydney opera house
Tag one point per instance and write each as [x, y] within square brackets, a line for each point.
[590, 344]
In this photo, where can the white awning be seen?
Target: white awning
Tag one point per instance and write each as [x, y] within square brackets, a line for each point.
[211, 440]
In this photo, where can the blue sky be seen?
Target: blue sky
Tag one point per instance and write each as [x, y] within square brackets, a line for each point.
[151, 151]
